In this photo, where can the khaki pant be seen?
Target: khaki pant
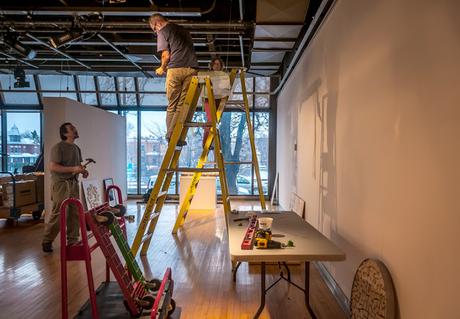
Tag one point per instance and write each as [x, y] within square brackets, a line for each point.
[177, 83]
[59, 192]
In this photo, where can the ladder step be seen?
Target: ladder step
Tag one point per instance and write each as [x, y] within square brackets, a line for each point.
[236, 163]
[193, 170]
[161, 194]
[146, 237]
[198, 124]
[154, 215]
[234, 102]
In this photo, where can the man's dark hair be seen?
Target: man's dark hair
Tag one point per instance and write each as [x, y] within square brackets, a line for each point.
[63, 130]
[157, 16]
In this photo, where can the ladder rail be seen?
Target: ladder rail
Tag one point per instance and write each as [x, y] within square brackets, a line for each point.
[158, 207]
[218, 153]
[174, 162]
[252, 141]
[179, 132]
[171, 160]
[197, 175]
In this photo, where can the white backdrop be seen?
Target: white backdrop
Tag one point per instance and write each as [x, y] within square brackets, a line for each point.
[102, 137]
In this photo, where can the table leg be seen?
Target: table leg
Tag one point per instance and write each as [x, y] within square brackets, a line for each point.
[307, 290]
[262, 291]
[235, 269]
[288, 271]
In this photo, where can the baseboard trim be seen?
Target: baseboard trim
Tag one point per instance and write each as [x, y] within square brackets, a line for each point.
[334, 288]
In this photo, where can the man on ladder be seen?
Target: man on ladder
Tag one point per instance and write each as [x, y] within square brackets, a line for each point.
[179, 60]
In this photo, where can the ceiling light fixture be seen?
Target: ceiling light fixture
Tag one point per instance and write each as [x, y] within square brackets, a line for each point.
[74, 33]
[12, 41]
[65, 38]
[20, 77]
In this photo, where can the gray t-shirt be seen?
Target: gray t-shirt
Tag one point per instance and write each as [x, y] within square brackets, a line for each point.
[178, 42]
[65, 154]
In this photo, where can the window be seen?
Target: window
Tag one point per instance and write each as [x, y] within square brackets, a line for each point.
[59, 83]
[249, 85]
[239, 98]
[236, 148]
[262, 100]
[192, 151]
[127, 84]
[153, 100]
[131, 150]
[144, 154]
[23, 139]
[152, 84]
[153, 148]
[17, 97]
[86, 83]
[156, 85]
[107, 83]
[261, 130]
[262, 84]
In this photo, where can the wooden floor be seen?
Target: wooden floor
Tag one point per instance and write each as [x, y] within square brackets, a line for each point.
[198, 256]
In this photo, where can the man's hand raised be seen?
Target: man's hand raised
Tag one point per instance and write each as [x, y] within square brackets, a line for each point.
[160, 71]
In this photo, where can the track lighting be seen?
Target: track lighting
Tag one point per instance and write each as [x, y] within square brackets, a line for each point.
[20, 77]
[12, 41]
[65, 38]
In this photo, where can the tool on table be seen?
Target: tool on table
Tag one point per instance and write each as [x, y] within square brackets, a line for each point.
[259, 234]
[241, 219]
[250, 232]
[263, 239]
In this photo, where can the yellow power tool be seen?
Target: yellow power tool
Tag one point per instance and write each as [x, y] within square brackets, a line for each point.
[263, 240]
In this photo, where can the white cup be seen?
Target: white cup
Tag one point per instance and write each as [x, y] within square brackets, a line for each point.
[265, 223]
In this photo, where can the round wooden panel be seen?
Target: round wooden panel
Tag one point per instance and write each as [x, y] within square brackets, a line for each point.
[372, 293]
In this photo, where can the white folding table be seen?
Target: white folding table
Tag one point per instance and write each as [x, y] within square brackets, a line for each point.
[310, 245]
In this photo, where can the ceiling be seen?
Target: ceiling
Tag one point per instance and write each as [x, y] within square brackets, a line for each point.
[112, 37]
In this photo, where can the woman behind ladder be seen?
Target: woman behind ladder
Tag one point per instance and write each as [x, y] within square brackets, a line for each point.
[221, 87]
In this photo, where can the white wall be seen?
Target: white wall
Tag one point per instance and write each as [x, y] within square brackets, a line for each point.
[374, 107]
[102, 137]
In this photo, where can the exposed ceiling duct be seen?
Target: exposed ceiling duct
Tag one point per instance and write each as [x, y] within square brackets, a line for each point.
[66, 38]
[258, 35]
[278, 25]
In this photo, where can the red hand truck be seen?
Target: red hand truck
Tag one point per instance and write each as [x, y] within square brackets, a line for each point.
[135, 295]
[82, 252]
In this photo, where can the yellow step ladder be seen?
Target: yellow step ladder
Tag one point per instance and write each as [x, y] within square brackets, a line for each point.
[171, 159]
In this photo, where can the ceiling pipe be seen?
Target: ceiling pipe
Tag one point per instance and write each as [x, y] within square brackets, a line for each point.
[314, 25]
[58, 51]
[241, 36]
[19, 59]
[198, 42]
[106, 11]
[135, 31]
[211, 8]
[233, 25]
[124, 55]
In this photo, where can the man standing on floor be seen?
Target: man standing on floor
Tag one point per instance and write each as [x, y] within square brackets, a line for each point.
[65, 166]
[179, 60]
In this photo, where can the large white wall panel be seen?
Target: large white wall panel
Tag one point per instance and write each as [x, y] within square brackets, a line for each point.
[102, 137]
[374, 107]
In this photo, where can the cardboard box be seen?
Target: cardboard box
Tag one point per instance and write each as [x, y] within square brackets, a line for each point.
[25, 194]
[40, 187]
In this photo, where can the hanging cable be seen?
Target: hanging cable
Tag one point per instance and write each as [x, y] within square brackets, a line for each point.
[228, 39]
